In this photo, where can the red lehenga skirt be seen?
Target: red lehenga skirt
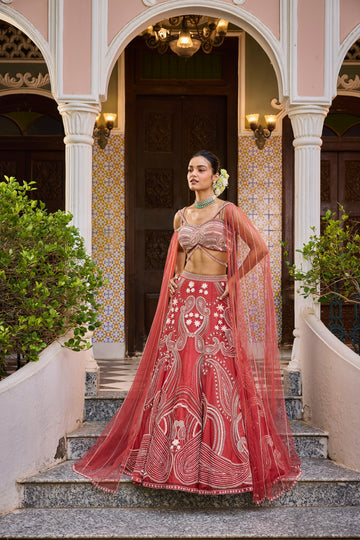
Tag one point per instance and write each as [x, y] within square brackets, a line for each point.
[192, 435]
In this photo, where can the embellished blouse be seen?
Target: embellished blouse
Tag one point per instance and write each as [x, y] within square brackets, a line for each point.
[210, 235]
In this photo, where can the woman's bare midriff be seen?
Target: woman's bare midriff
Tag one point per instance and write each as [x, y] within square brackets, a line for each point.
[201, 263]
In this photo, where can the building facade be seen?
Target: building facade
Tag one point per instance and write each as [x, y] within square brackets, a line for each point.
[63, 62]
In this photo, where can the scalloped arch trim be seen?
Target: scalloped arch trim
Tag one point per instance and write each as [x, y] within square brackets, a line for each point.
[22, 23]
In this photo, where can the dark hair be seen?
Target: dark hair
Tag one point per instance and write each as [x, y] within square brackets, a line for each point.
[212, 159]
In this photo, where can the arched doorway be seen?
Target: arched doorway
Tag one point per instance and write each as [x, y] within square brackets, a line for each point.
[115, 329]
[32, 147]
[171, 112]
[31, 128]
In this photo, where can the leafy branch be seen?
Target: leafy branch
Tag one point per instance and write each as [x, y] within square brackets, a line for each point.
[334, 261]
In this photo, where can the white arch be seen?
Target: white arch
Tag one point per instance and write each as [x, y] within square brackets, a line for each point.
[343, 49]
[22, 90]
[215, 8]
[23, 24]
[348, 93]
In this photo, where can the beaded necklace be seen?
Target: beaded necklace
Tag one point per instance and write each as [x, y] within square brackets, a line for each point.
[205, 202]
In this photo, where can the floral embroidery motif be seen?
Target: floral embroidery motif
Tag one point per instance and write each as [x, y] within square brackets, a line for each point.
[203, 289]
[192, 416]
[191, 287]
[175, 445]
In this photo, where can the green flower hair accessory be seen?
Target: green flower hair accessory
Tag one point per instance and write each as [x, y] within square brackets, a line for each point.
[221, 183]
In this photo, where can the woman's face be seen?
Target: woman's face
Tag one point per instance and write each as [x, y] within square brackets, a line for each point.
[200, 174]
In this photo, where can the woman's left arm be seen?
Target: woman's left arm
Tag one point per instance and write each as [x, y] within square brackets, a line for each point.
[252, 238]
[257, 248]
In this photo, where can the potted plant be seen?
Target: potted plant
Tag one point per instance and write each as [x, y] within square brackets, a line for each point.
[48, 283]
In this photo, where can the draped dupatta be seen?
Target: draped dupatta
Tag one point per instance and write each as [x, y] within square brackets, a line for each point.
[274, 463]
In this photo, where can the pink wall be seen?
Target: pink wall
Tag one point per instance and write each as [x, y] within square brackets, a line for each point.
[120, 13]
[268, 12]
[77, 47]
[36, 11]
[77, 34]
[311, 47]
[349, 17]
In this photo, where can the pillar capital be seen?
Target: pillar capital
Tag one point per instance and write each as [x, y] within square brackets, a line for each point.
[307, 122]
[79, 119]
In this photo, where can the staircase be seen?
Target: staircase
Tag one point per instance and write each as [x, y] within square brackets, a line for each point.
[57, 503]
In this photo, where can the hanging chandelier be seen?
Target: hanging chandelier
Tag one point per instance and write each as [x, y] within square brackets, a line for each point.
[185, 35]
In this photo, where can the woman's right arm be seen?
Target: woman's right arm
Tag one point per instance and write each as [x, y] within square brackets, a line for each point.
[180, 259]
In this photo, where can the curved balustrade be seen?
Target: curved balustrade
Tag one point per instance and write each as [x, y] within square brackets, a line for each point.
[331, 382]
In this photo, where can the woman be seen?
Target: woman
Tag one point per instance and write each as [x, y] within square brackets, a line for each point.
[206, 412]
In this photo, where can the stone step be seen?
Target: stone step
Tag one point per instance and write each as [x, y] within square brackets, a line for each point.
[292, 382]
[310, 442]
[102, 408]
[323, 483]
[119, 523]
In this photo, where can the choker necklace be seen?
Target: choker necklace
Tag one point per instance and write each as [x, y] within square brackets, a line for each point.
[205, 202]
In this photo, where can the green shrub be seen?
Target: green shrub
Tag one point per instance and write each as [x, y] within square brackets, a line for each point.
[334, 261]
[47, 281]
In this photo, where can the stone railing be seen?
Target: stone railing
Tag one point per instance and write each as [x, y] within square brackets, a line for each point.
[39, 405]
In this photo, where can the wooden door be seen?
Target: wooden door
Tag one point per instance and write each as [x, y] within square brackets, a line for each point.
[340, 185]
[169, 130]
[12, 163]
[173, 109]
[45, 167]
[340, 182]
[35, 149]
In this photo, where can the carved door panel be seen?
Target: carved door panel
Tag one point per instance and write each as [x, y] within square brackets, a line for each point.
[46, 168]
[349, 183]
[329, 173]
[340, 182]
[169, 130]
[204, 126]
[12, 163]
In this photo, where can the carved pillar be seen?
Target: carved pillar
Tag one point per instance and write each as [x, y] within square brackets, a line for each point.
[307, 122]
[79, 119]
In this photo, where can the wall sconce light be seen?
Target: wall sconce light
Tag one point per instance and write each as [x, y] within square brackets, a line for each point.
[260, 133]
[103, 127]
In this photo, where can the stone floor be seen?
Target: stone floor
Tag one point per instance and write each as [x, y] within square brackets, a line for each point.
[117, 375]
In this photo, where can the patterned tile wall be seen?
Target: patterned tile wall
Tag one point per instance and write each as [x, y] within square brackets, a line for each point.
[108, 236]
[260, 197]
[259, 191]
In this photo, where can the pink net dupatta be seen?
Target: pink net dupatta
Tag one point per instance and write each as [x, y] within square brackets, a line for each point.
[275, 465]
[105, 462]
